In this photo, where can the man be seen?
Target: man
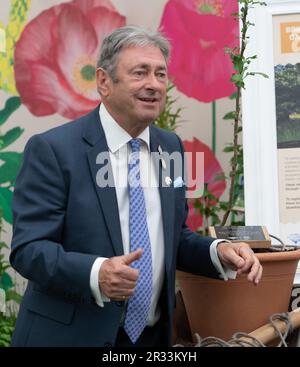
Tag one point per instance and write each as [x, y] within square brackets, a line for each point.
[100, 255]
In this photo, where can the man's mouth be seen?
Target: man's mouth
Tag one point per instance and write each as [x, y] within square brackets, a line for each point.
[148, 100]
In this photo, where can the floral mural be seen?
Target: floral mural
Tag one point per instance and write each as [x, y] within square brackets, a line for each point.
[199, 31]
[49, 64]
[213, 178]
[56, 56]
[9, 161]
[11, 33]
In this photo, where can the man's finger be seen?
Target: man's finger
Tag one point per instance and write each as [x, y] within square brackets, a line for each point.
[250, 260]
[132, 256]
[129, 274]
[259, 275]
[255, 273]
[128, 284]
[121, 294]
[234, 259]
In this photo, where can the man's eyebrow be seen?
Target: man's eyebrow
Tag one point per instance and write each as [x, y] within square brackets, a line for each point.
[162, 67]
[147, 66]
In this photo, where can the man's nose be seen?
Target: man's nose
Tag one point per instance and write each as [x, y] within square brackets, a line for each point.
[152, 82]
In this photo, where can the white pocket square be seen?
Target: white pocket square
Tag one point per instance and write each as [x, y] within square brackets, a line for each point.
[178, 182]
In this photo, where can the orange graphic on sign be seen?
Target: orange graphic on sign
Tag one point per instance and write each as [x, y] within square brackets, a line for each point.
[290, 37]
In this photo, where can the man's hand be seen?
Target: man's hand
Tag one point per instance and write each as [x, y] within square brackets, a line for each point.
[239, 256]
[117, 279]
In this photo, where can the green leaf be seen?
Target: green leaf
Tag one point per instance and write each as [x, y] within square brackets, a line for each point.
[4, 265]
[13, 157]
[8, 173]
[251, 58]
[236, 78]
[5, 203]
[233, 96]
[224, 206]
[6, 281]
[262, 74]
[11, 136]
[4, 340]
[230, 116]
[238, 62]
[3, 245]
[11, 105]
[220, 177]
[228, 149]
[10, 169]
[12, 295]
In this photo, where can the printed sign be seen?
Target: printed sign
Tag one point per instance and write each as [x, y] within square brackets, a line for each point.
[255, 236]
[290, 37]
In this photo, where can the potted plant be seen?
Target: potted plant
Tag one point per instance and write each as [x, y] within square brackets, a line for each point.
[218, 308]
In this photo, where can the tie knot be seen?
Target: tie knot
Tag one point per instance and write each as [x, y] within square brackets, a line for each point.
[135, 145]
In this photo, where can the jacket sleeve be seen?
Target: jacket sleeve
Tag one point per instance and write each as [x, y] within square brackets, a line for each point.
[39, 206]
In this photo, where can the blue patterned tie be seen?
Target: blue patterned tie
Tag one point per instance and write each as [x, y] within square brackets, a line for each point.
[139, 303]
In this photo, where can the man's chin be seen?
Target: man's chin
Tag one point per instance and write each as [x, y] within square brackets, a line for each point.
[149, 118]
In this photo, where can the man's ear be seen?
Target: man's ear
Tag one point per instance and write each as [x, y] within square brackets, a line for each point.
[103, 82]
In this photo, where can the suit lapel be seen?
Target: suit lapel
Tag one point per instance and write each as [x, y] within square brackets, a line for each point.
[167, 200]
[95, 137]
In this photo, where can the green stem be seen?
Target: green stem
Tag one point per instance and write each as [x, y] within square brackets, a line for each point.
[205, 218]
[214, 127]
[237, 118]
[233, 217]
[234, 159]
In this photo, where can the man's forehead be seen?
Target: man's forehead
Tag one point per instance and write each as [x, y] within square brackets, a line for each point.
[143, 56]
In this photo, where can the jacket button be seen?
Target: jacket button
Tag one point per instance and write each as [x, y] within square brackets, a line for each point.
[108, 344]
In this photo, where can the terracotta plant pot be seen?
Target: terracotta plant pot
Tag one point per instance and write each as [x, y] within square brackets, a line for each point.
[218, 308]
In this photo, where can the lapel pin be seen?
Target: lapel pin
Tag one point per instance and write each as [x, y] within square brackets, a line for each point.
[163, 163]
[168, 181]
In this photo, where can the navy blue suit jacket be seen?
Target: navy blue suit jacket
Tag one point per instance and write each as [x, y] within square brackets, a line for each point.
[63, 221]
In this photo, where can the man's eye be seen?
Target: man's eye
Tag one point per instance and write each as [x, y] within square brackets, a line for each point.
[162, 75]
[139, 73]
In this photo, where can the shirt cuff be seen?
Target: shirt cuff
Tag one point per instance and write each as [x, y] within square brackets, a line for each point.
[224, 272]
[99, 297]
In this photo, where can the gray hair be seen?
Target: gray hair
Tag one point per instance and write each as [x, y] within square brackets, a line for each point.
[127, 36]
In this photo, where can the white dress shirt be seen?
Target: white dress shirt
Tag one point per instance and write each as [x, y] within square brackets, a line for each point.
[117, 139]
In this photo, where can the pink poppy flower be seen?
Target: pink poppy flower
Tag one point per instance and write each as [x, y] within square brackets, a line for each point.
[212, 173]
[56, 55]
[198, 65]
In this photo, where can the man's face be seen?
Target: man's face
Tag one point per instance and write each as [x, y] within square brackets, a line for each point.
[138, 95]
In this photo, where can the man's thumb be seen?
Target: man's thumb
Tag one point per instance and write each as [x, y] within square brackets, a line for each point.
[132, 256]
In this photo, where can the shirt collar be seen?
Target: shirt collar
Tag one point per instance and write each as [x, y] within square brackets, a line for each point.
[116, 136]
